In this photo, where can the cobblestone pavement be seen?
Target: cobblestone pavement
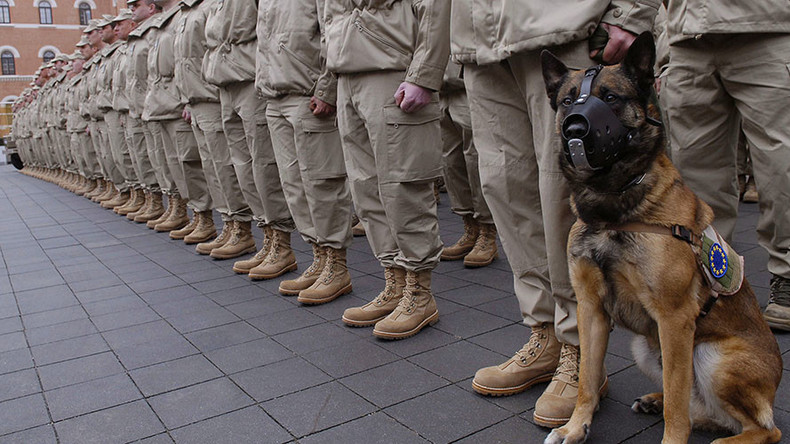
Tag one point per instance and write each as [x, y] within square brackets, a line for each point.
[110, 332]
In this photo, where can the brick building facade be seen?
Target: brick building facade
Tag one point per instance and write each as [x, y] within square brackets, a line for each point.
[32, 30]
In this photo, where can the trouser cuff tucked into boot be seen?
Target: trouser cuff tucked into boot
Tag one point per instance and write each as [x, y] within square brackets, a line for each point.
[280, 259]
[334, 280]
[415, 310]
[222, 239]
[244, 267]
[292, 287]
[382, 305]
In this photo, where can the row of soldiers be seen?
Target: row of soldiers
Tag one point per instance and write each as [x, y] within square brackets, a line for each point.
[218, 105]
[283, 112]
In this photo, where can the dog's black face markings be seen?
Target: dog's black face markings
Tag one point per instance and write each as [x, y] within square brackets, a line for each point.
[626, 89]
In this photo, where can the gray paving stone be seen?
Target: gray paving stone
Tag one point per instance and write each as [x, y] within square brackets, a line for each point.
[248, 355]
[155, 351]
[393, 383]
[249, 425]
[428, 339]
[124, 423]
[614, 422]
[372, 429]
[334, 311]
[316, 337]
[279, 378]
[43, 299]
[221, 284]
[162, 438]
[79, 370]
[284, 321]
[456, 361]
[349, 358]
[12, 341]
[169, 294]
[10, 325]
[103, 283]
[317, 408]
[156, 284]
[68, 349]
[203, 319]
[19, 384]
[44, 434]
[470, 322]
[506, 340]
[114, 305]
[198, 402]
[34, 280]
[125, 318]
[102, 294]
[138, 334]
[233, 296]
[59, 332]
[86, 397]
[507, 308]
[472, 295]
[511, 430]
[224, 336]
[22, 413]
[180, 307]
[174, 374]
[266, 304]
[461, 414]
[15, 360]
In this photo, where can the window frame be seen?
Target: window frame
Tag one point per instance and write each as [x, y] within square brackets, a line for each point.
[44, 56]
[5, 11]
[4, 63]
[45, 12]
[85, 12]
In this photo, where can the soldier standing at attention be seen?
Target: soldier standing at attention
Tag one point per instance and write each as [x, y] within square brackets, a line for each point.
[389, 57]
[291, 73]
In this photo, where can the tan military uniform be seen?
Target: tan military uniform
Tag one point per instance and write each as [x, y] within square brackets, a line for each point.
[230, 64]
[203, 103]
[515, 134]
[392, 157]
[309, 154]
[730, 68]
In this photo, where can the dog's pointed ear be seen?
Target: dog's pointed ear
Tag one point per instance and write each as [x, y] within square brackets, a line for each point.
[554, 73]
[639, 61]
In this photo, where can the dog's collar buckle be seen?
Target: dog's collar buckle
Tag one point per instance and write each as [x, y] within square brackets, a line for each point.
[683, 233]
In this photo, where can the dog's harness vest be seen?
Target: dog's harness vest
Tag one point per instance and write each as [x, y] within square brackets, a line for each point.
[717, 260]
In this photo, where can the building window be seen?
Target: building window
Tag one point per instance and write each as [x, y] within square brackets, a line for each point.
[85, 14]
[45, 13]
[48, 55]
[5, 12]
[9, 67]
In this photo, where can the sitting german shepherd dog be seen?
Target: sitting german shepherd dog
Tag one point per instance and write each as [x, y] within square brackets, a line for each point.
[642, 254]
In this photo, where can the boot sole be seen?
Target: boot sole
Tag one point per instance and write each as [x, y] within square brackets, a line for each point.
[261, 277]
[470, 264]
[358, 324]
[337, 294]
[430, 320]
[454, 257]
[252, 249]
[177, 236]
[198, 241]
[507, 391]
[777, 323]
[559, 422]
[169, 229]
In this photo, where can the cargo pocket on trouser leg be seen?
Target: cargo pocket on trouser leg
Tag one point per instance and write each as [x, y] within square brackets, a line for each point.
[413, 145]
[320, 151]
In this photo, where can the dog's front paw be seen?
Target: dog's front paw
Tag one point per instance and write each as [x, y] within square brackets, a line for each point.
[563, 435]
[652, 403]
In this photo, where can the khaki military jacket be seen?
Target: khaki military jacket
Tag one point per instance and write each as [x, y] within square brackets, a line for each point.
[93, 87]
[137, 67]
[162, 101]
[291, 56]
[378, 35]
[691, 18]
[231, 42]
[452, 80]
[120, 99]
[59, 102]
[189, 49]
[75, 123]
[104, 76]
[483, 33]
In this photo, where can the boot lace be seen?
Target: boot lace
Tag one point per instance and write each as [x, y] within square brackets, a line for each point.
[313, 268]
[569, 364]
[483, 241]
[780, 291]
[328, 273]
[389, 287]
[409, 299]
[532, 347]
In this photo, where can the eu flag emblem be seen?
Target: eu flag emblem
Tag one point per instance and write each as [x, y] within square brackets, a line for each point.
[717, 261]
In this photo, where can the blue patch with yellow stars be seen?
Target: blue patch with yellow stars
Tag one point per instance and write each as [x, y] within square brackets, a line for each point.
[717, 261]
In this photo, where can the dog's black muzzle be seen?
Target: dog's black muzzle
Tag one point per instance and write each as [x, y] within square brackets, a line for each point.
[593, 136]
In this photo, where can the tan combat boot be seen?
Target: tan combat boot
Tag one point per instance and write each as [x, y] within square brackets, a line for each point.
[222, 239]
[101, 187]
[171, 205]
[334, 280]
[204, 230]
[465, 244]
[750, 194]
[136, 200]
[87, 187]
[154, 211]
[178, 218]
[292, 287]
[280, 259]
[244, 266]
[240, 242]
[189, 228]
[132, 196]
[108, 194]
[146, 197]
[415, 310]
[534, 363]
[556, 404]
[485, 250]
[383, 304]
[118, 200]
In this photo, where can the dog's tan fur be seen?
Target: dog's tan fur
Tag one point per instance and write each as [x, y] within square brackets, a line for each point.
[722, 369]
